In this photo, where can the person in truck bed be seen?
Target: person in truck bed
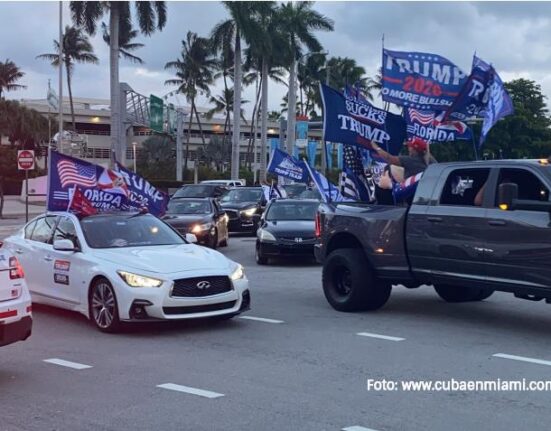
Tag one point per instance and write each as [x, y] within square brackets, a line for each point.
[416, 161]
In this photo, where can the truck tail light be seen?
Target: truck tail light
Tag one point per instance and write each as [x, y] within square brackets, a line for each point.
[318, 225]
[16, 270]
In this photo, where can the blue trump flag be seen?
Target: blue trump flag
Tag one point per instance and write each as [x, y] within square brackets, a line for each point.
[473, 97]
[499, 105]
[423, 81]
[354, 121]
[105, 189]
[284, 165]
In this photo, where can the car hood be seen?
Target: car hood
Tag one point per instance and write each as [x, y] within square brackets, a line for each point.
[238, 205]
[166, 259]
[185, 219]
[288, 228]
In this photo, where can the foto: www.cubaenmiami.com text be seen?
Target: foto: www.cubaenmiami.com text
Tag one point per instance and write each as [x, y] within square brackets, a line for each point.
[453, 385]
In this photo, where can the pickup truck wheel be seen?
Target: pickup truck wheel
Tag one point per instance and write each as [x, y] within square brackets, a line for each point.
[462, 294]
[349, 283]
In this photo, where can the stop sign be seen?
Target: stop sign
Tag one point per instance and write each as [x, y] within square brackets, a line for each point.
[25, 160]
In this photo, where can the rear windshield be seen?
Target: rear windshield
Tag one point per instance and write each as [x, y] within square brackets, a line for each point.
[128, 231]
[243, 195]
[188, 207]
[195, 191]
[292, 211]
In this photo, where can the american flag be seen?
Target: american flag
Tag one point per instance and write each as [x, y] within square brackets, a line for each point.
[425, 118]
[354, 168]
[72, 173]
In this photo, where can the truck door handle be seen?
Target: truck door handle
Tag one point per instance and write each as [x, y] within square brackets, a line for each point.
[434, 219]
[496, 223]
[19, 251]
[48, 258]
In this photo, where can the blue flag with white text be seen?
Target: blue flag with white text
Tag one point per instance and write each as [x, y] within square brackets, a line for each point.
[354, 121]
[420, 80]
[284, 165]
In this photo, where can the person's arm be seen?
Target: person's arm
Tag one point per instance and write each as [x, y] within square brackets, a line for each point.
[387, 157]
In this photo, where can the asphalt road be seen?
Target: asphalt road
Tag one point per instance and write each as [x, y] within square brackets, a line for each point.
[304, 369]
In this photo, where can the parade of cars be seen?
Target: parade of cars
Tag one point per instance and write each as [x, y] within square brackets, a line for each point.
[275, 216]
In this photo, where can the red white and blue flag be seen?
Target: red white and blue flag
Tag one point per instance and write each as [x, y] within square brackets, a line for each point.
[75, 173]
[430, 126]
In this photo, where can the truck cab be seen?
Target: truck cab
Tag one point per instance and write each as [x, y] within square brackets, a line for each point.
[457, 235]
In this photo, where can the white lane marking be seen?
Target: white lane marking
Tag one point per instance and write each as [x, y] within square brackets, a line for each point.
[261, 319]
[189, 390]
[68, 364]
[522, 359]
[357, 428]
[382, 337]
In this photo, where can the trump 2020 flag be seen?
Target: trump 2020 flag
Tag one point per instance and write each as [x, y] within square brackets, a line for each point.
[499, 105]
[430, 127]
[354, 121]
[284, 165]
[473, 97]
[102, 188]
[420, 80]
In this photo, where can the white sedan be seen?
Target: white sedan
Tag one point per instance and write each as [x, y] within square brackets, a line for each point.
[125, 267]
[15, 301]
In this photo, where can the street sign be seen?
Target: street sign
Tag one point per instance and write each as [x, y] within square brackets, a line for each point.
[156, 113]
[25, 160]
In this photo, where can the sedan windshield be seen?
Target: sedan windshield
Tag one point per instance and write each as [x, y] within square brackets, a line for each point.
[292, 211]
[242, 195]
[188, 206]
[128, 231]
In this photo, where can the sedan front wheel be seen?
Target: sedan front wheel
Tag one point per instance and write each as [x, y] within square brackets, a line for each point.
[103, 306]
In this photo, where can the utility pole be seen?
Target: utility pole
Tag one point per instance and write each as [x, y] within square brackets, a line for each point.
[179, 144]
[324, 144]
[60, 89]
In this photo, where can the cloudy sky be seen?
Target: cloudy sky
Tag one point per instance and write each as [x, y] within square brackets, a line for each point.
[514, 36]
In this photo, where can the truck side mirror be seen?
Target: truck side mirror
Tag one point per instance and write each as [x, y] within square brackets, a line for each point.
[507, 195]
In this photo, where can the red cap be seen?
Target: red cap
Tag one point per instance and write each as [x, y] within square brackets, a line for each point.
[417, 144]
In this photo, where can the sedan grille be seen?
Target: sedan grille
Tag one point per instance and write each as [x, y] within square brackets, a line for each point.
[201, 286]
[199, 308]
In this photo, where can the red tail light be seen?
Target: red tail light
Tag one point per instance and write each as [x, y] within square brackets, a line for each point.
[16, 270]
[318, 225]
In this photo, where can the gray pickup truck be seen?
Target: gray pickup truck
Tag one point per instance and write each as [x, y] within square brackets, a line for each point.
[472, 228]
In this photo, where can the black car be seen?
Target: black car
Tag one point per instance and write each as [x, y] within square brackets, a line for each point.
[287, 228]
[202, 217]
[244, 206]
[200, 191]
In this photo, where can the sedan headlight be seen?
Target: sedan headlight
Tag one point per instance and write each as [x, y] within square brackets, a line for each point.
[238, 273]
[265, 236]
[135, 280]
[198, 228]
[249, 212]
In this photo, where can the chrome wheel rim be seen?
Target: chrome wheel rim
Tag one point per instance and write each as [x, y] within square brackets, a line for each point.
[103, 305]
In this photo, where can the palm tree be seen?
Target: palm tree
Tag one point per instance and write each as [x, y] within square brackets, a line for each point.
[194, 73]
[261, 55]
[224, 103]
[240, 25]
[151, 16]
[76, 49]
[9, 75]
[298, 20]
[126, 35]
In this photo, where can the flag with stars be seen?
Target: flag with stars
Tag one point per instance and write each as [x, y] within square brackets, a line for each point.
[419, 80]
[354, 173]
